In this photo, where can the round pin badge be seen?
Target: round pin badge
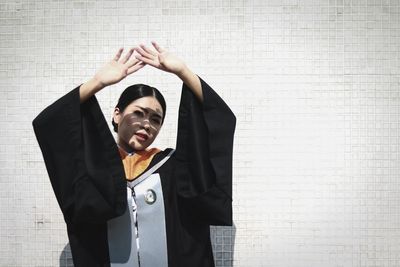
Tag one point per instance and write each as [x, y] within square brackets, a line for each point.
[150, 196]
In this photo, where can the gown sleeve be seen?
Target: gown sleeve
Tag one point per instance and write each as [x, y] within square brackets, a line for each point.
[204, 156]
[82, 160]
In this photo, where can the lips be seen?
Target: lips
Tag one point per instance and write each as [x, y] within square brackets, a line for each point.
[142, 137]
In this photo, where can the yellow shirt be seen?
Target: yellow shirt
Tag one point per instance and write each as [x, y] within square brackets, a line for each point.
[135, 164]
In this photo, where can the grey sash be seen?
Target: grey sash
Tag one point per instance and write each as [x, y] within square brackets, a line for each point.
[146, 202]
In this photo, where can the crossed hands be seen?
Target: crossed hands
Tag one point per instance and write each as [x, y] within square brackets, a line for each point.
[119, 68]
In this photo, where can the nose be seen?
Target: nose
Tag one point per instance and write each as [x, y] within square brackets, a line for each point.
[146, 125]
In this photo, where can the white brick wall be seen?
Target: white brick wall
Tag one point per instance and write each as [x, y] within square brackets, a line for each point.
[314, 85]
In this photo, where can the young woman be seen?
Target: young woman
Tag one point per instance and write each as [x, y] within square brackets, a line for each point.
[173, 196]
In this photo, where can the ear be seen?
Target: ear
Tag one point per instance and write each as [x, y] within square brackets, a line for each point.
[117, 115]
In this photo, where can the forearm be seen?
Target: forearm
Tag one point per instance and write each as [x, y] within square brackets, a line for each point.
[89, 88]
[192, 81]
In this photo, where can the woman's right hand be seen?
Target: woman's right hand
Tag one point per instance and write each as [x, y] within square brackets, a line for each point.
[118, 68]
[111, 73]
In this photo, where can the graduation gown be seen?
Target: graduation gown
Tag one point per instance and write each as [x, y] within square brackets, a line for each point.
[88, 179]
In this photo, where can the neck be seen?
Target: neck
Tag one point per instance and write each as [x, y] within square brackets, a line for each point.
[125, 147]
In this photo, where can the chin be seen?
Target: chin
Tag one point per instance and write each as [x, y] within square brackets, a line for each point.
[137, 146]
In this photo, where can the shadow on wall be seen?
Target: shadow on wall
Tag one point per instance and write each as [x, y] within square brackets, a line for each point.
[223, 243]
[222, 238]
[66, 257]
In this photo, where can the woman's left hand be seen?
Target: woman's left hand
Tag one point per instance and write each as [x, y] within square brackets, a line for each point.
[163, 60]
[160, 59]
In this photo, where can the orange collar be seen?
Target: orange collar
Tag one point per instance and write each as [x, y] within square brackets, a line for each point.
[135, 164]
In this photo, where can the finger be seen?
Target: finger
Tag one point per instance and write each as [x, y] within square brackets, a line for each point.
[132, 62]
[135, 68]
[127, 56]
[148, 61]
[143, 53]
[148, 50]
[157, 47]
[119, 53]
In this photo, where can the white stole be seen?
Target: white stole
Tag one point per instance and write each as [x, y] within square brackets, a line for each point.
[146, 245]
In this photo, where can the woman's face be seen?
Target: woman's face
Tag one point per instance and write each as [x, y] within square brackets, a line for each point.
[139, 124]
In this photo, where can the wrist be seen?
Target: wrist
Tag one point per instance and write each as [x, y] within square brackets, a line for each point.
[89, 88]
[184, 73]
[96, 84]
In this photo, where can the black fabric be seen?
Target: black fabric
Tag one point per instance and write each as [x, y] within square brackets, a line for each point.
[88, 179]
[204, 155]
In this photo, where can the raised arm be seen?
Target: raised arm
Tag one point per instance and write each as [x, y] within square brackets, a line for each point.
[204, 147]
[112, 72]
[85, 169]
[166, 61]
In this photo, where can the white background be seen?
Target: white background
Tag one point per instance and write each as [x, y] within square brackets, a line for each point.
[314, 85]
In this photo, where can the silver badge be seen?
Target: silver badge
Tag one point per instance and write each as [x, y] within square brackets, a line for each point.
[150, 196]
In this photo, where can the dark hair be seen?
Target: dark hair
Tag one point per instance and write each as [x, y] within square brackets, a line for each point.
[137, 91]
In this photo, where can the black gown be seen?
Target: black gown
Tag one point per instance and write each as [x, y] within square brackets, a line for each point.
[88, 179]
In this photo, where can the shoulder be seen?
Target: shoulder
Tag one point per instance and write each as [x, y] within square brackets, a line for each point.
[168, 165]
[161, 154]
[166, 152]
